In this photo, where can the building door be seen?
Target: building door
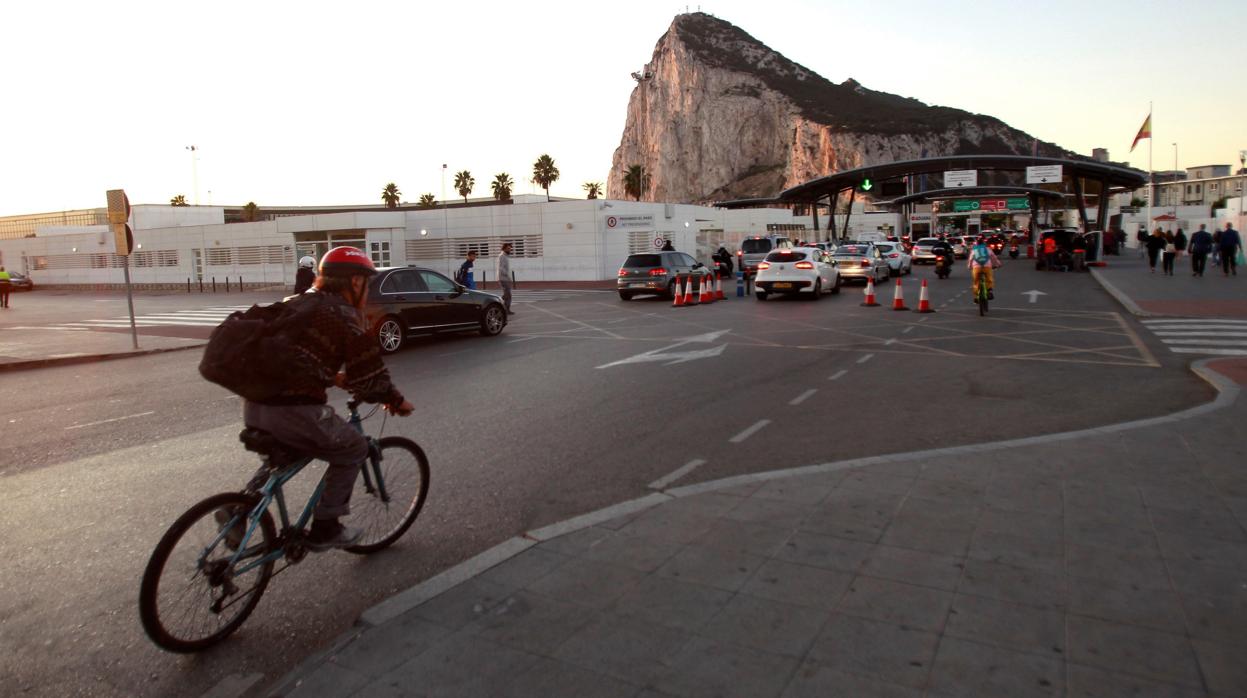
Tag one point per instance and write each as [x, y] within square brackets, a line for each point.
[198, 261]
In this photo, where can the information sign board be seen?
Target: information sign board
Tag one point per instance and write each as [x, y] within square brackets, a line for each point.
[961, 178]
[1043, 174]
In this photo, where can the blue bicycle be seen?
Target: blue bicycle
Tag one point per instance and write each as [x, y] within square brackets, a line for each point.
[210, 569]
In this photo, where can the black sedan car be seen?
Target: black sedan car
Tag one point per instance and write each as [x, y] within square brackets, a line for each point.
[410, 301]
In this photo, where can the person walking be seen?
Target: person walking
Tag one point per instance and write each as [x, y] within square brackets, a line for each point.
[1168, 254]
[504, 275]
[1155, 244]
[1180, 243]
[6, 285]
[1200, 246]
[1231, 248]
[465, 276]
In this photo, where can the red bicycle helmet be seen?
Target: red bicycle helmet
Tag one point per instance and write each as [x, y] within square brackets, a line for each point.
[346, 261]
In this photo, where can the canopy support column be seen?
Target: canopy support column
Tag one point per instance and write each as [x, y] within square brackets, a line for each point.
[1082, 203]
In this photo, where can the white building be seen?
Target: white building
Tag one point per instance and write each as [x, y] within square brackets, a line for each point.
[580, 240]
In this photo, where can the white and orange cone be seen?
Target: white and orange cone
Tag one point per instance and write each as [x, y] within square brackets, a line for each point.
[688, 291]
[924, 303]
[677, 298]
[898, 301]
[870, 294]
[718, 289]
[703, 298]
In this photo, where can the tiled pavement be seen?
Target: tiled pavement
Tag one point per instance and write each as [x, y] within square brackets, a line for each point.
[1111, 562]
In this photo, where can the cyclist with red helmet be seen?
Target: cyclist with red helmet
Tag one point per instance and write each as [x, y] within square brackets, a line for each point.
[333, 342]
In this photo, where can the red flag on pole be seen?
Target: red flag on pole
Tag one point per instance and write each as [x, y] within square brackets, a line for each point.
[1145, 131]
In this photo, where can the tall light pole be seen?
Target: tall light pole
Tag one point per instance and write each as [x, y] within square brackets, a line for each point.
[1178, 189]
[194, 171]
[1242, 175]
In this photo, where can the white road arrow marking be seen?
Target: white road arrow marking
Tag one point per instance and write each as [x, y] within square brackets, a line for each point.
[1034, 295]
[662, 355]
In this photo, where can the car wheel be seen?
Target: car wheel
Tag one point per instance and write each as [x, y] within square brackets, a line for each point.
[836, 288]
[625, 295]
[671, 290]
[818, 290]
[494, 319]
[761, 295]
[390, 334]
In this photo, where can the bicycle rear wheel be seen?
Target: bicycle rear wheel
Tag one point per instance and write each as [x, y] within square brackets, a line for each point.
[190, 598]
[983, 301]
[404, 470]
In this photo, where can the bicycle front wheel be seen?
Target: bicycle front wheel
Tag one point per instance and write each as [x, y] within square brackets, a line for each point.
[192, 597]
[983, 303]
[389, 494]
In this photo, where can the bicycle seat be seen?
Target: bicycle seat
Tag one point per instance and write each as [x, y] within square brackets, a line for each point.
[266, 444]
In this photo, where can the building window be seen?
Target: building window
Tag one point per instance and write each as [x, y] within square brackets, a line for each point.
[380, 253]
[1197, 188]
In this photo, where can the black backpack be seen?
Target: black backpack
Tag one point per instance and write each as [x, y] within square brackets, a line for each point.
[251, 352]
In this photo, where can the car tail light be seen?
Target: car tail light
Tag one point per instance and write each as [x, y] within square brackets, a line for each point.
[805, 265]
[623, 272]
[764, 265]
[865, 262]
[893, 256]
[658, 272]
[740, 253]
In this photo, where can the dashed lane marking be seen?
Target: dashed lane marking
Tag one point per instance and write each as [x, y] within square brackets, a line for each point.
[865, 358]
[837, 375]
[803, 396]
[108, 421]
[676, 474]
[758, 426]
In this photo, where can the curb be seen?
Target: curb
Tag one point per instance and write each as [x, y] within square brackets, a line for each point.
[412, 597]
[1121, 297]
[27, 364]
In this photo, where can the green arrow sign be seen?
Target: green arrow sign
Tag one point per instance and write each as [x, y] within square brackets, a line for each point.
[866, 185]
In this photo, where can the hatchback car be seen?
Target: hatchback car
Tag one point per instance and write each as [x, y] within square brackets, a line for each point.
[898, 259]
[656, 272]
[408, 301]
[797, 270]
[861, 261]
[924, 251]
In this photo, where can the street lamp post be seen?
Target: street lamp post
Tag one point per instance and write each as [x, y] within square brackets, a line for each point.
[1178, 189]
[1242, 175]
[194, 171]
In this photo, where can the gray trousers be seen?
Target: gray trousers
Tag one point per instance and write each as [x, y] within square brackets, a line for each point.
[506, 294]
[317, 431]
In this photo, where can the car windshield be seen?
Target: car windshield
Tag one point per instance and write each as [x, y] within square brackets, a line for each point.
[885, 248]
[785, 256]
[848, 250]
[755, 245]
[643, 260]
[928, 242]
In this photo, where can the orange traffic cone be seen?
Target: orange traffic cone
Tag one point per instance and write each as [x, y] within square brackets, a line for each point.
[718, 289]
[898, 301]
[924, 303]
[677, 298]
[704, 296]
[870, 294]
[688, 291]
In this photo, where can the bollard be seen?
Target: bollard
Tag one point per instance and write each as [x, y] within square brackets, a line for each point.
[227, 284]
[240, 283]
[201, 284]
[188, 284]
[214, 284]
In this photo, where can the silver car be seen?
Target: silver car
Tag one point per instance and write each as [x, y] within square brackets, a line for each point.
[924, 251]
[657, 272]
[861, 261]
[898, 259]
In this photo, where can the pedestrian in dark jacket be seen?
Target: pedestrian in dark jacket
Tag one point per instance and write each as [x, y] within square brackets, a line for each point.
[1168, 254]
[465, 275]
[1155, 244]
[1200, 246]
[1231, 247]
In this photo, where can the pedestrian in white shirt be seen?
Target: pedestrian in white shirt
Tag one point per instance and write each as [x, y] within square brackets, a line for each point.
[504, 275]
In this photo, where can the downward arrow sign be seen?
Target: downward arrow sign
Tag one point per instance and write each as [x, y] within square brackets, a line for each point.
[1034, 295]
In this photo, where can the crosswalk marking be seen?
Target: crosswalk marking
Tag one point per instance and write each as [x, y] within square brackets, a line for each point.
[196, 317]
[1209, 336]
[538, 295]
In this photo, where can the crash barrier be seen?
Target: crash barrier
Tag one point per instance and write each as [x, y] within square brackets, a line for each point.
[898, 298]
[870, 294]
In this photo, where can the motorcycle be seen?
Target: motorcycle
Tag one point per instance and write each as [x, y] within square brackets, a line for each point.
[943, 266]
[1013, 251]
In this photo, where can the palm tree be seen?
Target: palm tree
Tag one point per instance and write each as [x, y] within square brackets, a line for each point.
[464, 183]
[545, 173]
[594, 189]
[636, 181]
[179, 200]
[502, 186]
[427, 201]
[391, 195]
[250, 212]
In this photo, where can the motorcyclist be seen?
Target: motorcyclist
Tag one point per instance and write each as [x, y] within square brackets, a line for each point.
[306, 275]
[943, 248]
[724, 258]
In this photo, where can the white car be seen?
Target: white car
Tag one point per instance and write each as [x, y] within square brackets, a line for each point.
[898, 259]
[797, 270]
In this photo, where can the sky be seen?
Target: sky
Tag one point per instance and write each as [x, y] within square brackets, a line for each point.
[318, 103]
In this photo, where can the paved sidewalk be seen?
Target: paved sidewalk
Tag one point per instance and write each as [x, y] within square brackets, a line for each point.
[1098, 563]
[1145, 293]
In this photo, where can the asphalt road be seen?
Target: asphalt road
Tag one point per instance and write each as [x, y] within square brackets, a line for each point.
[581, 403]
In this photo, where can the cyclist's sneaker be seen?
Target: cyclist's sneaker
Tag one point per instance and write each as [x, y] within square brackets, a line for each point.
[328, 534]
[233, 537]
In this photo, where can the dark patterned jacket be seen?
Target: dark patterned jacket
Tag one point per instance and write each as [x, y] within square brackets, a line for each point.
[332, 335]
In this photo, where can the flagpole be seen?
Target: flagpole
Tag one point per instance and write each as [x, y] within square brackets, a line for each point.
[1151, 188]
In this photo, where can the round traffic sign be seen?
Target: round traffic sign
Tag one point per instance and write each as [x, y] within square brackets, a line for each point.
[659, 242]
[611, 221]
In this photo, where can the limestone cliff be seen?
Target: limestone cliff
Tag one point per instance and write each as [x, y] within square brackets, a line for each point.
[718, 115]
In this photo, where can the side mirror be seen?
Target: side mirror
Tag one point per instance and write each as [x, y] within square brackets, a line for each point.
[698, 265]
